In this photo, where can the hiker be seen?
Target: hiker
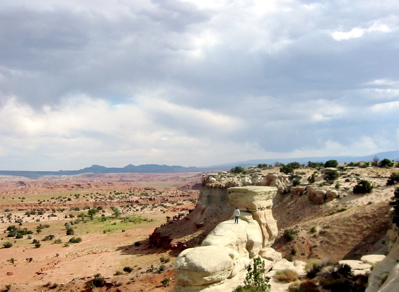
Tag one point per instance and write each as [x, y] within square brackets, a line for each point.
[236, 215]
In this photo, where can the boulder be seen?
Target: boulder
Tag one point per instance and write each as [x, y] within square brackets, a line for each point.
[297, 191]
[203, 265]
[270, 254]
[372, 258]
[331, 195]
[317, 196]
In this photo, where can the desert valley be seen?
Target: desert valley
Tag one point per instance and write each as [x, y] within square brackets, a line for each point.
[123, 232]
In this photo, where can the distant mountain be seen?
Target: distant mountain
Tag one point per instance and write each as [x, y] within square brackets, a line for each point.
[156, 168]
[146, 168]
[391, 155]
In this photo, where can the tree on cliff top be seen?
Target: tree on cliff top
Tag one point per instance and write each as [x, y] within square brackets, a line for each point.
[331, 163]
[386, 163]
[238, 169]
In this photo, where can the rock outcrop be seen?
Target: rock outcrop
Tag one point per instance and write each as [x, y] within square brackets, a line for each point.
[213, 207]
[385, 275]
[219, 263]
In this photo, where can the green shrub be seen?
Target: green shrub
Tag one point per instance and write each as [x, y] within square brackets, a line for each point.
[331, 175]
[314, 266]
[98, 281]
[238, 169]
[255, 280]
[394, 178]
[331, 163]
[386, 163]
[7, 244]
[127, 269]
[53, 286]
[317, 165]
[296, 182]
[70, 231]
[166, 282]
[363, 187]
[161, 269]
[164, 260]
[345, 270]
[75, 240]
[287, 169]
[289, 234]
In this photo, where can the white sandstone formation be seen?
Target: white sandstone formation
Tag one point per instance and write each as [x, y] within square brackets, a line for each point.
[385, 275]
[219, 263]
[255, 177]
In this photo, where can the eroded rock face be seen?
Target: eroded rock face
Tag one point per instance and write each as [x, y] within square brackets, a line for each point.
[258, 201]
[197, 269]
[385, 275]
[255, 178]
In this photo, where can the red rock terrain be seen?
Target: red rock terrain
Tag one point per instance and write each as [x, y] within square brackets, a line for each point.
[71, 267]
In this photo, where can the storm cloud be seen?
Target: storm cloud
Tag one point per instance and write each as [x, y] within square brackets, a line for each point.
[195, 82]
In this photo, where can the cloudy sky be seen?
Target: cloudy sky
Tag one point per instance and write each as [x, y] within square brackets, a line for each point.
[195, 82]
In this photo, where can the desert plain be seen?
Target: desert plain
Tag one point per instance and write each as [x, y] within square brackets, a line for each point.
[113, 242]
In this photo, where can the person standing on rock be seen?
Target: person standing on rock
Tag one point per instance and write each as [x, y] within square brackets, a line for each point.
[236, 215]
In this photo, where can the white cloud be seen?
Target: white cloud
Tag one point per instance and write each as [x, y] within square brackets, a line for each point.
[194, 82]
[382, 82]
[385, 107]
[358, 32]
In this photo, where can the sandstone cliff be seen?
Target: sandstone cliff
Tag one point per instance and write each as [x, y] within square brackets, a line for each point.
[385, 275]
[219, 263]
[212, 208]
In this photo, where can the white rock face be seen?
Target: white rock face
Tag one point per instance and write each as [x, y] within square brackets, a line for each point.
[203, 265]
[385, 275]
[372, 258]
[230, 235]
[219, 264]
[258, 201]
[391, 284]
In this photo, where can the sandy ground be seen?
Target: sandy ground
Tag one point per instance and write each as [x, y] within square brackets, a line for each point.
[56, 267]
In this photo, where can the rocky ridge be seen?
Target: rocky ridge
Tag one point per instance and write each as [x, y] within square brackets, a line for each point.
[219, 263]
[212, 207]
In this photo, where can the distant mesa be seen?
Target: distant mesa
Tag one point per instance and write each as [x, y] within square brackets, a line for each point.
[146, 168]
[158, 168]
